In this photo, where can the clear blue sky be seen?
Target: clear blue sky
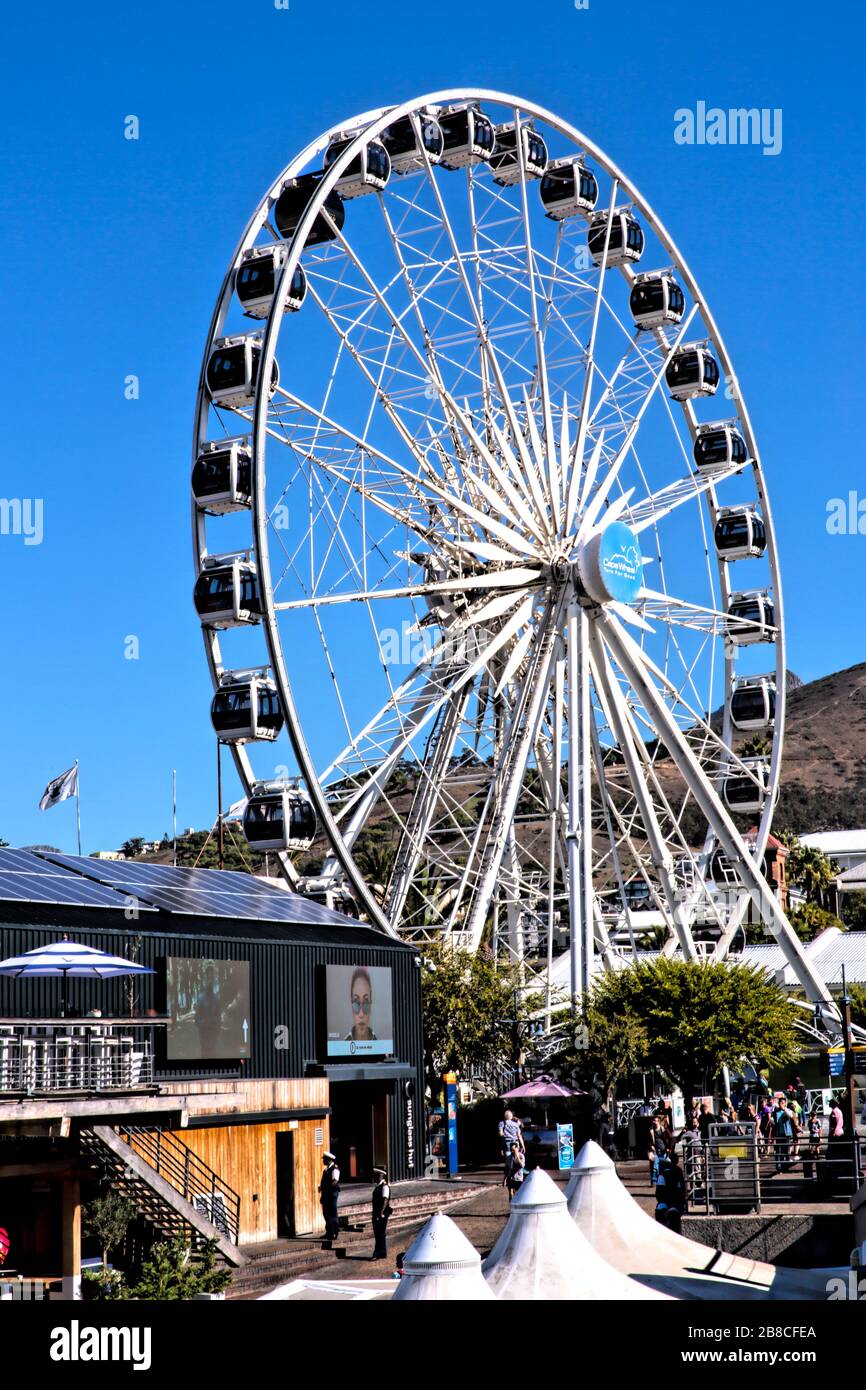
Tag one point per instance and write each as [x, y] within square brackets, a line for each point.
[113, 251]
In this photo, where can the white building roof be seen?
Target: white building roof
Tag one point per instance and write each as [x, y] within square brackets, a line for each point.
[835, 842]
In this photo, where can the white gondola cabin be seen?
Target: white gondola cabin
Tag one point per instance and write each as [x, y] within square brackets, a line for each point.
[740, 534]
[692, 371]
[246, 708]
[753, 704]
[278, 817]
[744, 793]
[626, 241]
[468, 136]
[226, 593]
[368, 172]
[505, 160]
[751, 618]
[719, 445]
[406, 148]
[233, 370]
[257, 276]
[568, 189]
[295, 198]
[656, 300]
[221, 476]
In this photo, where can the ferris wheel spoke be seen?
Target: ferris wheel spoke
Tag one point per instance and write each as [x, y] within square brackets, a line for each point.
[510, 774]
[616, 713]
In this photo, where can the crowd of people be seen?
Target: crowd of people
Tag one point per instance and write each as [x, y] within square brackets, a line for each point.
[785, 1134]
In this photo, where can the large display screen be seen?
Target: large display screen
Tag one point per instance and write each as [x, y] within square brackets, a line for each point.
[359, 1011]
[209, 1006]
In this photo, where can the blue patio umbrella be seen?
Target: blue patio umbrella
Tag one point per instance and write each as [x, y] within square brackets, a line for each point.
[70, 958]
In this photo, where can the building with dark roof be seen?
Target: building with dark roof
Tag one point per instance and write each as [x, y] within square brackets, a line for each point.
[270, 1031]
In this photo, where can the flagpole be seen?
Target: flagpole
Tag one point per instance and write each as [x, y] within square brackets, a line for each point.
[78, 805]
[174, 814]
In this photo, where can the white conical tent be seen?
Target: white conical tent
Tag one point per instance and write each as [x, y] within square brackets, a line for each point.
[442, 1265]
[628, 1238]
[541, 1254]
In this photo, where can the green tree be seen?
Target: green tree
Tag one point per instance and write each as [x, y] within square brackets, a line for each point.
[132, 847]
[601, 1046]
[107, 1218]
[472, 1011]
[700, 1015]
[810, 920]
[809, 869]
[854, 911]
[857, 995]
[172, 1273]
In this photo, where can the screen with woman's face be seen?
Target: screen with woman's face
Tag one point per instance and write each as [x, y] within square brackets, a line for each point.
[359, 1010]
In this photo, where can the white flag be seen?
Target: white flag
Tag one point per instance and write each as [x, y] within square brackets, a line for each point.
[58, 790]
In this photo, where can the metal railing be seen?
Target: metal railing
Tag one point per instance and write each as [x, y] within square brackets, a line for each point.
[719, 1171]
[45, 1060]
[189, 1175]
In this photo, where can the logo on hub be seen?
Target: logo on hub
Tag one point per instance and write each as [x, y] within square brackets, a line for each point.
[615, 571]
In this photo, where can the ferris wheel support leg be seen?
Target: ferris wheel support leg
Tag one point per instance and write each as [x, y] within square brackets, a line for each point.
[629, 658]
[579, 833]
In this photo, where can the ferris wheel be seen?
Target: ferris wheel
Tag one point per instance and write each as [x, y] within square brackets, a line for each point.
[470, 456]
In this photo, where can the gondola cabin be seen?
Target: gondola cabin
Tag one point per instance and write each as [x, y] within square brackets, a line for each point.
[257, 276]
[468, 137]
[692, 372]
[221, 476]
[233, 370]
[744, 793]
[368, 172]
[753, 704]
[740, 534]
[751, 618]
[626, 240]
[656, 300]
[295, 198]
[720, 870]
[568, 189]
[719, 445]
[246, 708]
[226, 593]
[505, 160]
[407, 143]
[278, 817]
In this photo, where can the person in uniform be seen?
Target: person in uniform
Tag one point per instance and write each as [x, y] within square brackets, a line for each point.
[329, 1188]
[381, 1212]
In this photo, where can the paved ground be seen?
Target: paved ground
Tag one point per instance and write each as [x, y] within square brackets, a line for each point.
[482, 1215]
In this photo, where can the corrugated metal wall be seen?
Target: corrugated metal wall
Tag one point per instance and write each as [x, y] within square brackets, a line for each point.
[284, 984]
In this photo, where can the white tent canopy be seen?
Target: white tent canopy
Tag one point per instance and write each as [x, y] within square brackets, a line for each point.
[541, 1254]
[629, 1239]
[442, 1265]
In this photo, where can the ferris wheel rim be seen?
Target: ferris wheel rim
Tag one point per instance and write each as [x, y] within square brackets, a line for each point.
[368, 129]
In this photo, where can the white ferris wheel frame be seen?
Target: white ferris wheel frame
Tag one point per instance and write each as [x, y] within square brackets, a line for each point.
[747, 859]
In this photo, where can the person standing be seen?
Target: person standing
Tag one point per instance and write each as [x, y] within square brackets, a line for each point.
[514, 1171]
[511, 1132]
[381, 1212]
[784, 1131]
[329, 1190]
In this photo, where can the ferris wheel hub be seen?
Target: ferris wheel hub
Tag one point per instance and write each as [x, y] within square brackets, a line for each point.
[610, 565]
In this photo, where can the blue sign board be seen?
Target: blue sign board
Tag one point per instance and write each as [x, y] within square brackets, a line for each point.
[565, 1145]
[451, 1120]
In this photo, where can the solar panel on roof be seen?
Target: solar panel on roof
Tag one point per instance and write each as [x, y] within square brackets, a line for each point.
[57, 888]
[201, 892]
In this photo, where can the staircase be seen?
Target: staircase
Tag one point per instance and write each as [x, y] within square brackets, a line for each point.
[168, 1185]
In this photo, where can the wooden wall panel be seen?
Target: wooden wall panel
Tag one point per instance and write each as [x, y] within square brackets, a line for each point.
[245, 1157]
